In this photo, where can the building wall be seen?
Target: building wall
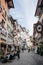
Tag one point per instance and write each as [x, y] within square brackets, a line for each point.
[39, 13]
[8, 26]
[4, 12]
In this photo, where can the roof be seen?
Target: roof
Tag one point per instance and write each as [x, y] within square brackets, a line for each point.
[10, 3]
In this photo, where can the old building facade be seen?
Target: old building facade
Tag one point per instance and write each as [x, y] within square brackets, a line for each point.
[6, 26]
[38, 27]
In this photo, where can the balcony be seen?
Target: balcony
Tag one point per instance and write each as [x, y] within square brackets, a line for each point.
[9, 26]
[3, 31]
[2, 41]
[3, 34]
[2, 37]
[10, 35]
[10, 41]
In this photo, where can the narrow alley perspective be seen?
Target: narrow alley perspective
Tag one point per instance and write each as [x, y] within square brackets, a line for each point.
[21, 32]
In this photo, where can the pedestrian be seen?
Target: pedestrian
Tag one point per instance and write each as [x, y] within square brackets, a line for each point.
[18, 52]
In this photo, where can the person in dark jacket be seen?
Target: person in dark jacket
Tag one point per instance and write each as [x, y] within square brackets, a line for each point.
[18, 52]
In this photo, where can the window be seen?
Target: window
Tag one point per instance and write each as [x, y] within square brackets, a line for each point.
[41, 5]
[4, 31]
[9, 48]
[42, 34]
[10, 3]
[0, 9]
[42, 22]
[3, 22]
[8, 27]
[4, 12]
[0, 3]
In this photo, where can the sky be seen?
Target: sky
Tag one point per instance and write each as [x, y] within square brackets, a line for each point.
[24, 12]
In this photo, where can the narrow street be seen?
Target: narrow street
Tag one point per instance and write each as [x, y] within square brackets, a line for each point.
[27, 59]
[21, 28]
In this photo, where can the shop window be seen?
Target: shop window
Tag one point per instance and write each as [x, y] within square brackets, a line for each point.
[2, 45]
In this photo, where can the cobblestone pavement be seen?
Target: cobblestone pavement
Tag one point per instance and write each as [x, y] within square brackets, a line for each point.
[26, 59]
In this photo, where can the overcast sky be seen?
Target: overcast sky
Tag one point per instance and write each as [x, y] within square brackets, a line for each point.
[24, 12]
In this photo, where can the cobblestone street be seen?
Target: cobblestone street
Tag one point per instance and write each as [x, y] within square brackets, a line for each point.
[27, 59]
